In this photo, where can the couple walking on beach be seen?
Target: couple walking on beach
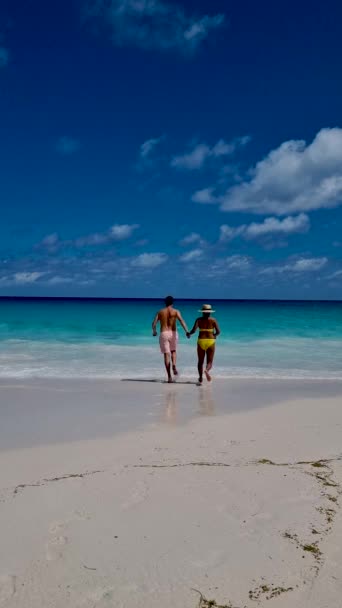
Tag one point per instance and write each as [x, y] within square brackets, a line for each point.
[168, 337]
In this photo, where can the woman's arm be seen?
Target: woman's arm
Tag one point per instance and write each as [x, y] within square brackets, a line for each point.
[190, 333]
[217, 329]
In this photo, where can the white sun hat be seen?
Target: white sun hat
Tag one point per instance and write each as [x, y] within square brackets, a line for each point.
[206, 308]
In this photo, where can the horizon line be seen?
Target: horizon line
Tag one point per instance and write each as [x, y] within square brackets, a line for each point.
[109, 299]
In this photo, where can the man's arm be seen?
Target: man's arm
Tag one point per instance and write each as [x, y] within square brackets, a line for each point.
[193, 329]
[182, 322]
[154, 324]
[217, 329]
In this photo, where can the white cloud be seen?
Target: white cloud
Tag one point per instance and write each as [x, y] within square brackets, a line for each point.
[148, 147]
[67, 145]
[292, 178]
[205, 196]
[194, 159]
[23, 278]
[271, 226]
[149, 260]
[119, 232]
[228, 233]
[237, 262]
[4, 57]
[152, 24]
[191, 256]
[308, 264]
[200, 153]
[302, 265]
[192, 238]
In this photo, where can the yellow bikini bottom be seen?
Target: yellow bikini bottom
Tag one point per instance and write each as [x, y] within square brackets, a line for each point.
[205, 343]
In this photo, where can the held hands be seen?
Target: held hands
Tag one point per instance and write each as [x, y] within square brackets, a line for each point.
[188, 334]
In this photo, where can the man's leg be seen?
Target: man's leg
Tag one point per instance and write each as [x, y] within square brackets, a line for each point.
[201, 355]
[174, 362]
[173, 349]
[210, 360]
[167, 362]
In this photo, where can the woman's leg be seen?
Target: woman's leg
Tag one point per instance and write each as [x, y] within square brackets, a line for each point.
[201, 355]
[210, 360]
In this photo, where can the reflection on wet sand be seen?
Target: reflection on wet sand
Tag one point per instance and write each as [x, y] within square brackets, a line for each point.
[171, 407]
[204, 405]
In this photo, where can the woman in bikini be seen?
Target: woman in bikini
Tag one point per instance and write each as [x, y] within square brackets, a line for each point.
[208, 332]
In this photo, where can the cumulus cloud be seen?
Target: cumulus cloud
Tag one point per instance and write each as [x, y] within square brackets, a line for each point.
[117, 232]
[151, 24]
[228, 233]
[191, 256]
[301, 265]
[201, 153]
[237, 262]
[4, 57]
[234, 264]
[205, 196]
[191, 239]
[292, 178]
[67, 145]
[271, 226]
[149, 260]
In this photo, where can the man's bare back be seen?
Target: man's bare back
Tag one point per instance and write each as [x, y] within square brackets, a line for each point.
[167, 318]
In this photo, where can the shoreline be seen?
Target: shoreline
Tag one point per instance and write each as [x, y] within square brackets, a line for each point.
[241, 505]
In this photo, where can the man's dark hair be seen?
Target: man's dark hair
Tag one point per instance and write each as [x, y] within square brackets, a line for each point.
[169, 300]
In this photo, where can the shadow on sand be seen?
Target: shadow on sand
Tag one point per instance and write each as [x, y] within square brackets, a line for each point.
[159, 381]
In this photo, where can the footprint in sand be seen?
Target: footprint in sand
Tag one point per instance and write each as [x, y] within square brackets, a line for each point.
[7, 587]
[57, 541]
[55, 548]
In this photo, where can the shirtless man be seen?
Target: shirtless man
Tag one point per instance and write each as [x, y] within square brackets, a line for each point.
[168, 337]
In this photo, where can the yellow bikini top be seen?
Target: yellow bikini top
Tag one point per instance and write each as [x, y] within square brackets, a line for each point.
[206, 329]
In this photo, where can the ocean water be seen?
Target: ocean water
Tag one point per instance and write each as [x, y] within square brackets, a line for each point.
[113, 339]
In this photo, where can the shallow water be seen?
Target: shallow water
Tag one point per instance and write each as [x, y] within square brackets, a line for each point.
[112, 339]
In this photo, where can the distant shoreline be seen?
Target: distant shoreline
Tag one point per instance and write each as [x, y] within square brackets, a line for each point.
[136, 299]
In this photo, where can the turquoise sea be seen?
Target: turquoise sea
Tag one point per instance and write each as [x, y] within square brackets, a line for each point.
[113, 339]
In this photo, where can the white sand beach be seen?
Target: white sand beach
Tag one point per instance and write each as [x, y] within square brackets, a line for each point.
[132, 494]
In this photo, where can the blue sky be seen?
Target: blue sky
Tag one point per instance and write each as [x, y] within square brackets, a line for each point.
[150, 147]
